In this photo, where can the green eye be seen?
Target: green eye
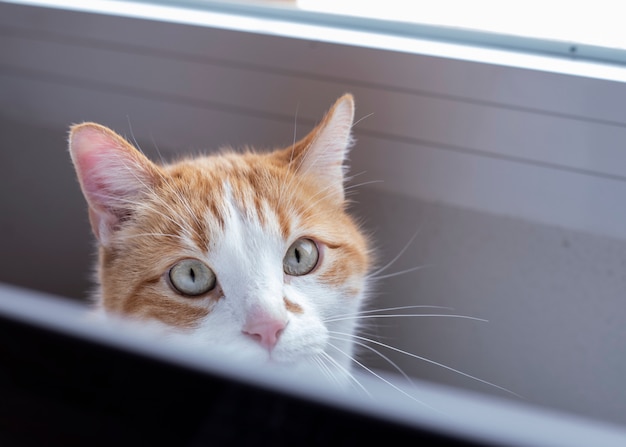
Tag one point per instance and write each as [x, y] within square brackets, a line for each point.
[192, 278]
[301, 258]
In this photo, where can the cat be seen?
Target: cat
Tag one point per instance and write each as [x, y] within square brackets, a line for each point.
[249, 252]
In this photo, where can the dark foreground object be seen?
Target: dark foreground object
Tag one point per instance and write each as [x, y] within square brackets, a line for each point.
[61, 390]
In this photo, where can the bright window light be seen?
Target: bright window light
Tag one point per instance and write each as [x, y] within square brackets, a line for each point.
[584, 39]
[598, 23]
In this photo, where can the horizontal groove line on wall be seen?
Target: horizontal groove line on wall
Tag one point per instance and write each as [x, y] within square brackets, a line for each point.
[177, 56]
[285, 118]
[585, 99]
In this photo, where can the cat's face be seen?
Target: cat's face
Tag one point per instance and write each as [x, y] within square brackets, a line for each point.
[251, 253]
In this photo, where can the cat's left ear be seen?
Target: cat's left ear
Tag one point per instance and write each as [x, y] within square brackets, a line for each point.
[323, 152]
[113, 175]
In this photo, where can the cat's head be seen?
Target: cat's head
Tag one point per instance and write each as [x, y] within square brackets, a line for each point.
[252, 252]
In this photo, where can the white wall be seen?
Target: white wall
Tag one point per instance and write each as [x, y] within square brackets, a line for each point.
[516, 178]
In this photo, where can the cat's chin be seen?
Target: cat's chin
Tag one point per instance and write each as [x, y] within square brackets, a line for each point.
[273, 359]
[310, 363]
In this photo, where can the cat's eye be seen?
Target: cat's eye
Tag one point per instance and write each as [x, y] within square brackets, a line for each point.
[301, 258]
[192, 277]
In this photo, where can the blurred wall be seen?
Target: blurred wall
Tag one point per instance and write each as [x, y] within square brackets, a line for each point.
[514, 178]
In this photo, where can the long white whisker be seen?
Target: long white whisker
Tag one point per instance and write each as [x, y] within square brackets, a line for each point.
[361, 119]
[358, 185]
[419, 306]
[345, 370]
[293, 148]
[324, 368]
[364, 317]
[390, 263]
[295, 132]
[355, 175]
[348, 337]
[402, 272]
[306, 155]
[388, 309]
[433, 362]
[132, 134]
[156, 146]
[378, 376]
[322, 193]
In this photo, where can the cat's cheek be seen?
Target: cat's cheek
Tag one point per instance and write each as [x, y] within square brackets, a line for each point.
[305, 337]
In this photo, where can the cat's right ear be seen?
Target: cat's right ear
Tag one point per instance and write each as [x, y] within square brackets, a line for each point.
[113, 175]
[324, 150]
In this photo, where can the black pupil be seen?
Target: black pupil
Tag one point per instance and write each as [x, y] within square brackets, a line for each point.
[296, 252]
[192, 274]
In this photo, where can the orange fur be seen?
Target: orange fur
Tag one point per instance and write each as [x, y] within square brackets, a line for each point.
[178, 211]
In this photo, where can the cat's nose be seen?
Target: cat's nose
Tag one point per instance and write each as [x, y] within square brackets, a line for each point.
[266, 330]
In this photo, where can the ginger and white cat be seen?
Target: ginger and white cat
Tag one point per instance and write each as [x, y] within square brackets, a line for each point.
[251, 252]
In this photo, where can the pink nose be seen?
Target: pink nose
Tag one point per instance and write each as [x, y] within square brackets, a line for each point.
[266, 330]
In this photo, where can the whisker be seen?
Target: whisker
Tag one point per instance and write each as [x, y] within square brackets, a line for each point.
[349, 178]
[358, 185]
[387, 309]
[361, 119]
[390, 263]
[364, 317]
[433, 362]
[378, 376]
[295, 132]
[348, 337]
[305, 155]
[357, 174]
[158, 151]
[402, 272]
[293, 148]
[345, 370]
[323, 367]
[132, 134]
[419, 306]
[325, 192]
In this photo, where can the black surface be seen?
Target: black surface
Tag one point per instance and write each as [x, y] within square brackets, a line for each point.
[56, 390]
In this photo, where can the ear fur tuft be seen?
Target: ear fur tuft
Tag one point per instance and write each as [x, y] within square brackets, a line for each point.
[112, 175]
[323, 152]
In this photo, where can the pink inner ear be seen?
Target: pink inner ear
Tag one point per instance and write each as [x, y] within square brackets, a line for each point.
[87, 161]
[109, 168]
[111, 173]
